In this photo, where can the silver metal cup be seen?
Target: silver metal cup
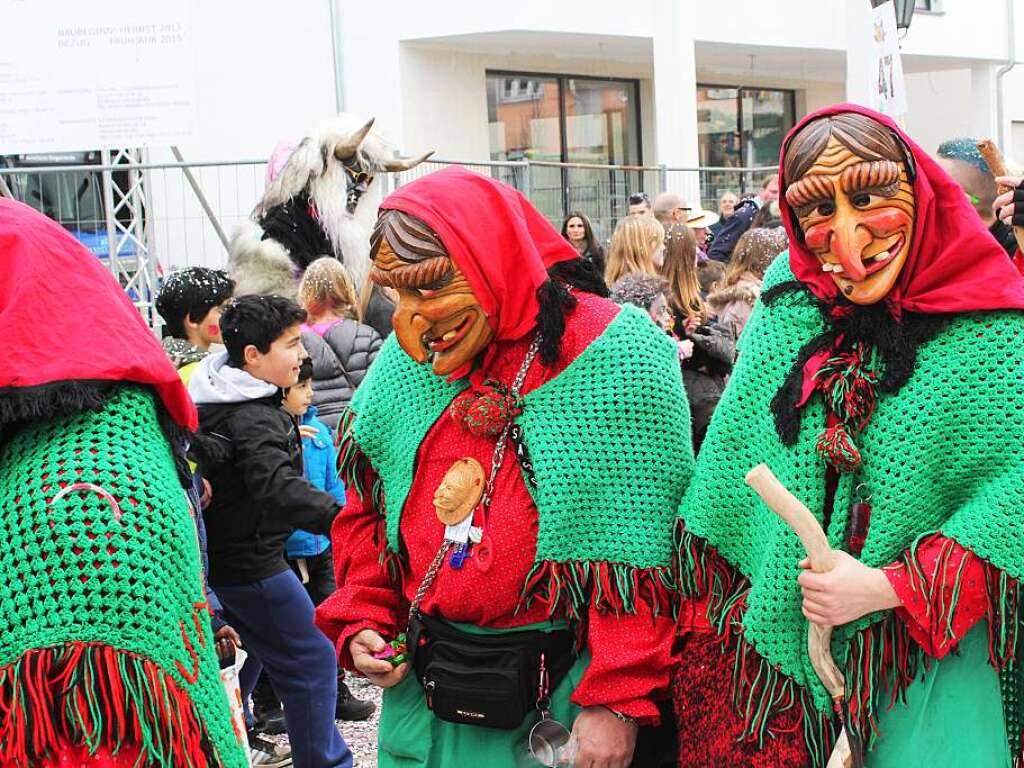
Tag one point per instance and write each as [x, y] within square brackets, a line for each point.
[551, 743]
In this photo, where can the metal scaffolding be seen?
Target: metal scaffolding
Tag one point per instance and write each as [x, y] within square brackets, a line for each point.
[130, 256]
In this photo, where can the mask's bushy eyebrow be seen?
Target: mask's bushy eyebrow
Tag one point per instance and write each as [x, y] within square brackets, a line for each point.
[429, 274]
[882, 175]
[808, 190]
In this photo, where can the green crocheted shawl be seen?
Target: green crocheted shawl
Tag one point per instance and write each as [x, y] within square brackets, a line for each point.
[104, 632]
[942, 454]
[609, 439]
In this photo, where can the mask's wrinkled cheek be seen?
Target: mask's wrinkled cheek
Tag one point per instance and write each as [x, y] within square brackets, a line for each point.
[886, 221]
[816, 237]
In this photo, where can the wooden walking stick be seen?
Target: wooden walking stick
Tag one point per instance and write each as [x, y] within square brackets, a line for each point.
[996, 164]
[819, 553]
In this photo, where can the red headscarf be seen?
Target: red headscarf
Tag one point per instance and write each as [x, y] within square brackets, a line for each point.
[954, 264]
[63, 317]
[497, 239]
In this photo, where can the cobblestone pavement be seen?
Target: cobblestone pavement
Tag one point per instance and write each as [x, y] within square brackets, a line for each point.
[361, 737]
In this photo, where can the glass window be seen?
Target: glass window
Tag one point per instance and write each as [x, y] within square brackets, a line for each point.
[767, 117]
[560, 118]
[739, 128]
[742, 127]
[523, 113]
[718, 126]
[600, 122]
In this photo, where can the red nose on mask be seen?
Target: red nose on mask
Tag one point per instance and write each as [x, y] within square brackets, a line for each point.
[846, 239]
[847, 248]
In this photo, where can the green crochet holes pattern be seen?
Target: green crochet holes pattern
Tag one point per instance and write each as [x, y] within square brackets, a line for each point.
[952, 431]
[609, 439]
[123, 587]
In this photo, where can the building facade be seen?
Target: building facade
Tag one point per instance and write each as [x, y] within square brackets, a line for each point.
[675, 83]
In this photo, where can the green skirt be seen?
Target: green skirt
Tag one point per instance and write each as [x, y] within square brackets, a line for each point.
[410, 736]
[953, 716]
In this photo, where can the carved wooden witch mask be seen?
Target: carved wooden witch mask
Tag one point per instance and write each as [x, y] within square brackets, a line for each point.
[438, 316]
[849, 181]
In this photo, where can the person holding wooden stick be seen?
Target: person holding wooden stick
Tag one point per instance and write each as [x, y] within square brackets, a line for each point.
[963, 159]
[879, 380]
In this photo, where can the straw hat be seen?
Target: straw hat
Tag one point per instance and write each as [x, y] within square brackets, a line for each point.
[698, 218]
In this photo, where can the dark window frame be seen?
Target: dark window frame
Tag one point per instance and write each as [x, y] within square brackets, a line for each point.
[789, 92]
[561, 78]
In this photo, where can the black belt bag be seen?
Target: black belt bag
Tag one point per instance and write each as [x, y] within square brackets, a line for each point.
[493, 681]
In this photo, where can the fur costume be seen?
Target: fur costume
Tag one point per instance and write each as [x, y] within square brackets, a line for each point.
[322, 203]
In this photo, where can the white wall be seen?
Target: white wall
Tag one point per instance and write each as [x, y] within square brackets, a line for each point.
[265, 71]
[262, 74]
[938, 103]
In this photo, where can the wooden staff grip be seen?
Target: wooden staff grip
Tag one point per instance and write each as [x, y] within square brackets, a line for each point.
[819, 552]
[795, 515]
[994, 159]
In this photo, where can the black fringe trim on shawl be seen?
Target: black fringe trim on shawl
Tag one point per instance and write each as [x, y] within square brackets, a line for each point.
[897, 342]
[61, 399]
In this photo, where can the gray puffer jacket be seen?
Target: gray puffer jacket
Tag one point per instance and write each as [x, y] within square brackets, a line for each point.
[341, 359]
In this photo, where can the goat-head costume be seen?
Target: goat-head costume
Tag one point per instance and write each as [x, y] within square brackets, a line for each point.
[322, 202]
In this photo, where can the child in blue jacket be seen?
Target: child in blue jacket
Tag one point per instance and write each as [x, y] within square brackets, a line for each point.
[309, 553]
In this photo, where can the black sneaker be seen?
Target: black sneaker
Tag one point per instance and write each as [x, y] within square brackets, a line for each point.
[266, 708]
[271, 723]
[264, 753]
[349, 707]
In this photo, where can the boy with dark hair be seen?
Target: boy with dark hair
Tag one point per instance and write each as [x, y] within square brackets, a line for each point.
[190, 303]
[249, 449]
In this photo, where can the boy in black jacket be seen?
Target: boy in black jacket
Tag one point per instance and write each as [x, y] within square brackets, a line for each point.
[250, 451]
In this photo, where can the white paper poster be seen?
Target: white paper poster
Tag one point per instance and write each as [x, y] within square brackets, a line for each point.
[78, 76]
[889, 89]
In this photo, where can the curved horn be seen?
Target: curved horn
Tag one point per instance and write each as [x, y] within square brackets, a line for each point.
[345, 150]
[405, 163]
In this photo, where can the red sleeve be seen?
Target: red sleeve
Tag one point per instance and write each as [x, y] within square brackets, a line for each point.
[943, 590]
[365, 598]
[630, 661]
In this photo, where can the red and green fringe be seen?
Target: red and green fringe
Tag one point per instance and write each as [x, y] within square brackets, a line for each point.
[882, 661]
[98, 697]
[572, 588]
[848, 381]
[354, 469]
[761, 691]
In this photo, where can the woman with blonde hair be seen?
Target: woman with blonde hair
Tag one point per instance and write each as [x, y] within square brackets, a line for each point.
[732, 298]
[679, 268]
[636, 246]
[341, 347]
[706, 349]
